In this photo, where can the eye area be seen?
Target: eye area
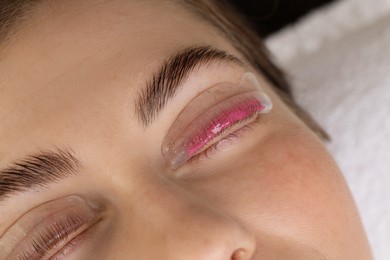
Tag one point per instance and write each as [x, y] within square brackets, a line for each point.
[55, 238]
[241, 113]
[220, 118]
[51, 230]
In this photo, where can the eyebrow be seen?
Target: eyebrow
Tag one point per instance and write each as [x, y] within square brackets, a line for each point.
[38, 171]
[165, 83]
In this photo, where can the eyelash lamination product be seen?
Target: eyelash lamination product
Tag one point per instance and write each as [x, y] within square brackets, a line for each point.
[214, 114]
[49, 230]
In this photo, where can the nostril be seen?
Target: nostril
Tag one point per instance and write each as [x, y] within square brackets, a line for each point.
[240, 254]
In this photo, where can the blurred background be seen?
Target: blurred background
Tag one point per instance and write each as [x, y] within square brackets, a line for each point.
[269, 16]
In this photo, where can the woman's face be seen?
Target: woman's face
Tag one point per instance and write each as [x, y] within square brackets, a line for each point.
[108, 96]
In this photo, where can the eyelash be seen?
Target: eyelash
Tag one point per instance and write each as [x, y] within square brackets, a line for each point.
[62, 231]
[211, 150]
[191, 136]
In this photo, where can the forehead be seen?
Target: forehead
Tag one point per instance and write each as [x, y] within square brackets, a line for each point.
[77, 60]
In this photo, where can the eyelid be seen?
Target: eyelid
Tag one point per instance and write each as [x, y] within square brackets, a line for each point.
[35, 220]
[209, 115]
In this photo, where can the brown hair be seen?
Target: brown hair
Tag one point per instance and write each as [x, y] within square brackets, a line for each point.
[11, 13]
[222, 16]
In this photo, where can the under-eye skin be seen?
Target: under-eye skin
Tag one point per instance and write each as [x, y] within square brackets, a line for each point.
[219, 113]
[50, 231]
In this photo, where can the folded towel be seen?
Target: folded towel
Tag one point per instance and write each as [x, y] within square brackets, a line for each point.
[338, 59]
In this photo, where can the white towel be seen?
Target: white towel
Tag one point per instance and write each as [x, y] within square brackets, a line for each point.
[338, 59]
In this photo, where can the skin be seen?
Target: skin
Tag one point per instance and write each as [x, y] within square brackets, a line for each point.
[69, 78]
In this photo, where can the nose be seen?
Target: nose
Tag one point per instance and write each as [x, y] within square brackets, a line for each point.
[171, 224]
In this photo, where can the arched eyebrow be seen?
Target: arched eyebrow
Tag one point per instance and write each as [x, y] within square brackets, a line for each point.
[38, 171]
[165, 83]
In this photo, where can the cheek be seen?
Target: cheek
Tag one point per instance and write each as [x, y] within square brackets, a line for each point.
[293, 191]
[293, 175]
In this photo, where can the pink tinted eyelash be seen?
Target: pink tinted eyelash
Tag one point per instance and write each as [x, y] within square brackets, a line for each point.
[223, 118]
[222, 123]
[208, 152]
